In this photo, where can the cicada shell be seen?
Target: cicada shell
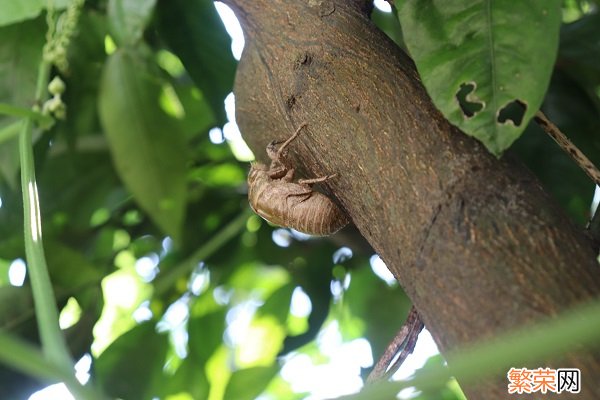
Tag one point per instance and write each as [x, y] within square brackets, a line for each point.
[293, 205]
[273, 195]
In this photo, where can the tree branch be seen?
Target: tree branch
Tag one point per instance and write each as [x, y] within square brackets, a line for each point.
[476, 242]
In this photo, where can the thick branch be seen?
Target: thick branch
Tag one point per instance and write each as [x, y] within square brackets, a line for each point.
[477, 244]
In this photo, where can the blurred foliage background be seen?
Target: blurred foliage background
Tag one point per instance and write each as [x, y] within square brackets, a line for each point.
[166, 284]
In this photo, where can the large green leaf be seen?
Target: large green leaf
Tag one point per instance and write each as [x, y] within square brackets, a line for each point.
[195, 33]
[148, 146]
[130, 366]
[484, 62]
[128, 18]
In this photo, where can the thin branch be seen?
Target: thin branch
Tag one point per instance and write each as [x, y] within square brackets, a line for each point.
[582, 161]
[401, 346]
[568, 147]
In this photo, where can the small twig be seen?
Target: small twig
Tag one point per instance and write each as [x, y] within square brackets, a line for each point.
[584, 163]
[401, 346]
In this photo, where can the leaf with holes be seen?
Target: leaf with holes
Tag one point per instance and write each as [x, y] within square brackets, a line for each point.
[147, 146]
[486, 64]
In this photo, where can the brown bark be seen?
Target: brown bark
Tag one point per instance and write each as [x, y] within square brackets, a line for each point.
[477, 244]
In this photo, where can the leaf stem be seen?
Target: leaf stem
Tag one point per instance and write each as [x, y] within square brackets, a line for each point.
[28, 359]
[15, 111]
[51, 337]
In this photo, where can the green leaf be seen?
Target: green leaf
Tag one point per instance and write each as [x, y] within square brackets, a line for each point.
[485, 64]
[278, 304]
[206, 334]
[388, 23]
[16, 309]
[190, 378]
[195, 33]
[148, 147]
[249, 383]
[87, 55]
[72, 273]
[130, 365]
[128, 19]
[77, 185]
[20, 55]
[12, 11]
[199, 116]
[580, 49]
[19, 10]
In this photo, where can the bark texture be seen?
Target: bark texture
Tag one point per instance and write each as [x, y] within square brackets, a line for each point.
[476, 242]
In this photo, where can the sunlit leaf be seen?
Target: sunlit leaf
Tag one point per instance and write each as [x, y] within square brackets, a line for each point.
[486, 64]
[148, 147]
